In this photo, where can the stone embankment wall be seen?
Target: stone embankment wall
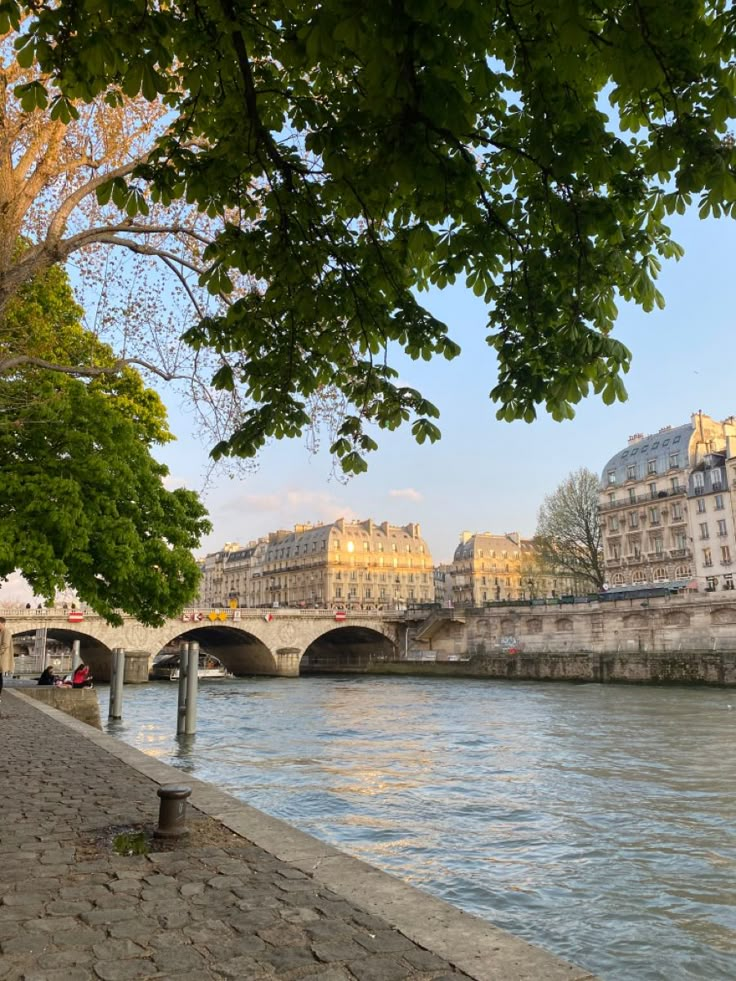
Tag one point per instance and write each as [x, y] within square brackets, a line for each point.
[688, 638]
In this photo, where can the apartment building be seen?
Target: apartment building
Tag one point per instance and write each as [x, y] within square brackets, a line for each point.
[345, 564]
[666, 508]
[487, 567]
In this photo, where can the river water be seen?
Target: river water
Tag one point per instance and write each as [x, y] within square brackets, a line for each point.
[595, 821]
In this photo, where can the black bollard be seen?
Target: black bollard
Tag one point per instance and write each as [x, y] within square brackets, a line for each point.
[172, 811]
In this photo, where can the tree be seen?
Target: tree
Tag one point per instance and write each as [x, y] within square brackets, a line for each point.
[371, 152]
[134, 263]
[83, 501]
[568, 538]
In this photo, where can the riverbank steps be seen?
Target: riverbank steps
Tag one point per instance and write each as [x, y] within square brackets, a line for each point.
[242, 896]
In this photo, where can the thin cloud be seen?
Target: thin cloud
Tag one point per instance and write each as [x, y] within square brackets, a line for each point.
[407, 493]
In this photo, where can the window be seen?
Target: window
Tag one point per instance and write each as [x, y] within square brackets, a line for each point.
[698, 482]
[676, 512]
[635, 550]
[719, 502]
[634, 519]
[722, 528]
[632, 495]
[725, 555]
[366, 546]
[711, 583]
[631, 472]
[613, 523]
[614, 550]
[704, 530]
[674, 485]
[658, 546]
[654, 515]
[652, 490]
[715, 478]
[351, 547]
[681, 540]
[707, 558]
[701, 506]
[674, 460]
[612, 498]
[728, 581]
[676, 439]
[651, 466]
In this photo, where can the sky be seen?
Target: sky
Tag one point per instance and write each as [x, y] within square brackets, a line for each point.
[486, 475]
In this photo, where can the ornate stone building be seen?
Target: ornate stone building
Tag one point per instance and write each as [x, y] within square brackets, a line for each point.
[487, 567]
[666, 507]
[343, 565]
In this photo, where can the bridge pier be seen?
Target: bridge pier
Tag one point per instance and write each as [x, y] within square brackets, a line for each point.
[287, 661]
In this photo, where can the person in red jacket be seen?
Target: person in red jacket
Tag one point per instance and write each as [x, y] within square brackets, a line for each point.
[81, 677]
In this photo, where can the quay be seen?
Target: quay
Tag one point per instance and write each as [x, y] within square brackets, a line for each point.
[242, 896]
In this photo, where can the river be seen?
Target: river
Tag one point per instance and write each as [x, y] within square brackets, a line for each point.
[595, 821]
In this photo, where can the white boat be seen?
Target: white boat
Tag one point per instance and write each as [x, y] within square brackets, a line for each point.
[166, 668]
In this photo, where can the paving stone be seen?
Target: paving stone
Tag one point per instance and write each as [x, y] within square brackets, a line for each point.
[173, 960]
[124, 970]
[336, 950]
[117, 949]
[65, 958]
[287, 958]
[299, 914]
[242, 968]
[424, 960]
[113, 914]
[384, 941]
[62, 974]
[283, 935]
[379, 969]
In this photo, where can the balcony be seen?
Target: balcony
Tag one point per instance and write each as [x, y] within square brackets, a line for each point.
[680, 553]
[726, 561]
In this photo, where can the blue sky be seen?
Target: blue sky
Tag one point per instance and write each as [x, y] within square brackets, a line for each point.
[485, 475]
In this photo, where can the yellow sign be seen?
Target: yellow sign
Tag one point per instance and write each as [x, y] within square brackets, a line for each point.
[233, 604]
[212, 616]
[222, 615]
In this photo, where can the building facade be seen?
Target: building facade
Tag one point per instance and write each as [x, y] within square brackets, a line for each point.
[487, 567]
[344, 565]
[666, 507]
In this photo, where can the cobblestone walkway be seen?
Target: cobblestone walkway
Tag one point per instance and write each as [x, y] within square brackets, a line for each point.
[215, 907]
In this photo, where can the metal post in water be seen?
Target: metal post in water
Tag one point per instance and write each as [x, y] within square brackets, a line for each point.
[117, 678]
[181, 702]
[76, 655]
[190, 717]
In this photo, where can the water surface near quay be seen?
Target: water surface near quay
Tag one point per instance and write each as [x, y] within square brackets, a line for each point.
[595, 821]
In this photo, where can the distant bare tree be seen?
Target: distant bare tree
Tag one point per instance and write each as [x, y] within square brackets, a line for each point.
[568, 538]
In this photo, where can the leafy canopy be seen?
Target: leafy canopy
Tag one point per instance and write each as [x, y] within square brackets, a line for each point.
[569, 538]
[83, 501]
[373, 150]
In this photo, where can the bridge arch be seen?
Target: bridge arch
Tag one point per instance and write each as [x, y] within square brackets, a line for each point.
[346, 647]
[92, 650]
[240, 651]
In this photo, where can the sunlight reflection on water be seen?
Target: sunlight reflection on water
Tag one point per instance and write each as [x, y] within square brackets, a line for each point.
[596, 821]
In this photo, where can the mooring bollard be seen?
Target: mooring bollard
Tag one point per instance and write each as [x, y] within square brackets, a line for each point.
[76, 655]
[181, 702]
[117, 677]
[190, 717]
[172, 811]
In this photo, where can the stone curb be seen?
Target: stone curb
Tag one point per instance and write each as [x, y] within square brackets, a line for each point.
[470, 944]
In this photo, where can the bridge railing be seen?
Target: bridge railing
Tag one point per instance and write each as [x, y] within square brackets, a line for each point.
[201, 614]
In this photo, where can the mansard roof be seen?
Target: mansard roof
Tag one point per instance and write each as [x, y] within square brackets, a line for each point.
[657, 446]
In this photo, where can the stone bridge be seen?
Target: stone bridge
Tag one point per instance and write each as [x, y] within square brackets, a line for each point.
[248, 642]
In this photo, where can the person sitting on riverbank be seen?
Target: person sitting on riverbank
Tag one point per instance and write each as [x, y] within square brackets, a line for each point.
[47, 677]
[81, 677]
